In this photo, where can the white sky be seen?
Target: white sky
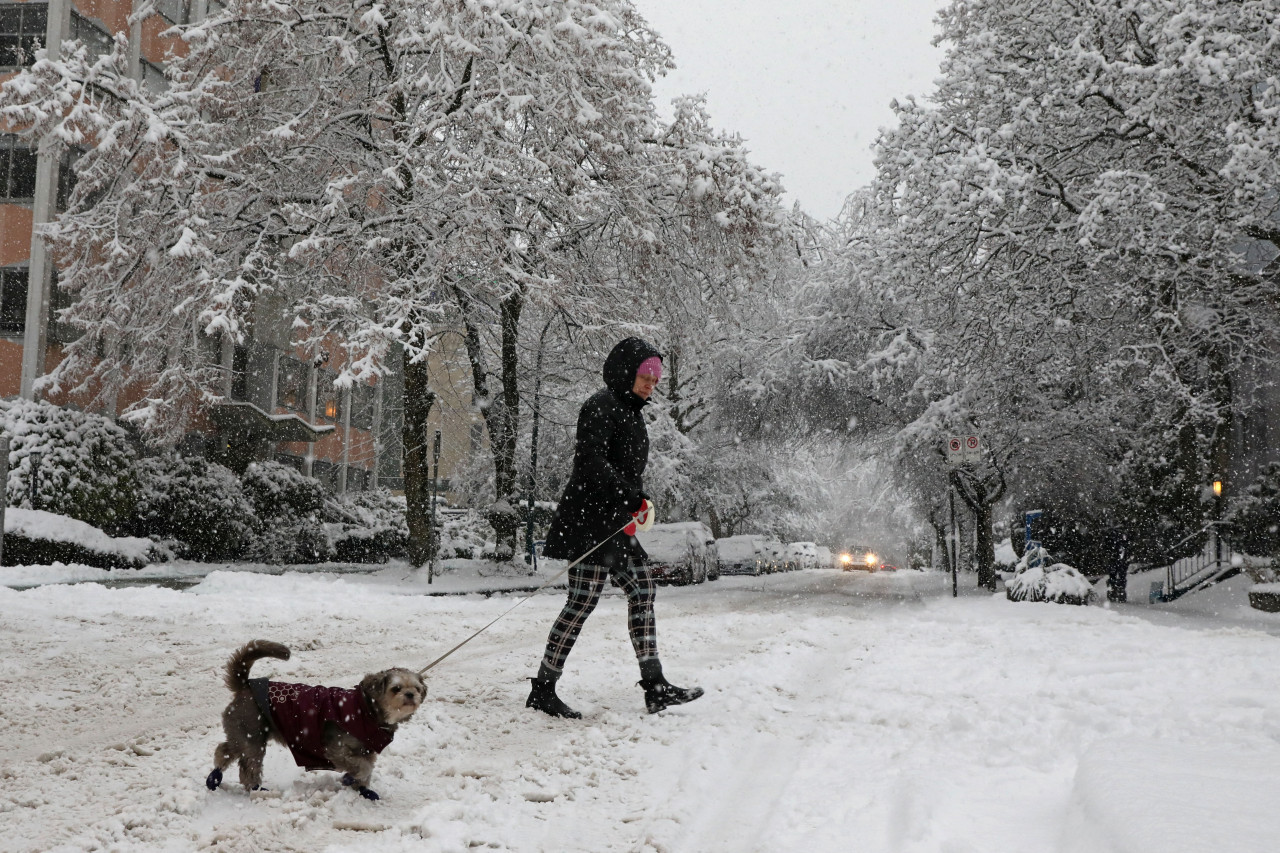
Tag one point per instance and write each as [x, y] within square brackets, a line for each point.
[806, 82]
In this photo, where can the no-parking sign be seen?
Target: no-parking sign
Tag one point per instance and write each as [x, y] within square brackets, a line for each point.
[964, 448]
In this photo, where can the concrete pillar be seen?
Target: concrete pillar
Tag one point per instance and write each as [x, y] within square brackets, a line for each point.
[39, 282]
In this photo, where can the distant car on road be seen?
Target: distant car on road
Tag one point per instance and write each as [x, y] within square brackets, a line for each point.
[860, 560]
[681, 552]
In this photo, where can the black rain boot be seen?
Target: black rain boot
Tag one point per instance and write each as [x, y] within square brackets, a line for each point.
[543, 698]
[658, 692]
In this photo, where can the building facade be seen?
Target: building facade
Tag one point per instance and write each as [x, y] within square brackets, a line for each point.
[278, 404]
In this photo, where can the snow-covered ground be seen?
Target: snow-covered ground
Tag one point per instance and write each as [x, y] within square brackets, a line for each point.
[844, 711]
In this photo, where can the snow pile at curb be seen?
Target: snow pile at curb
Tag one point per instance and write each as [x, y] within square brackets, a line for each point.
[1121, 800]
[40, 525]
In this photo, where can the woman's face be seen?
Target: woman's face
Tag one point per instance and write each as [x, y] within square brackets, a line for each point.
[644, 386]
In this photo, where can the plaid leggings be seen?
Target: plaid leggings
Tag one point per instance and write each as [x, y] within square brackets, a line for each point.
[586, 582]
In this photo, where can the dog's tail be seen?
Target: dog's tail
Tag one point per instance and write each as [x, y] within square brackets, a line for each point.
[237, 673]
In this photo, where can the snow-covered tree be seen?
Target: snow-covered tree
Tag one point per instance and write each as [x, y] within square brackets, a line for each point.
[370, 173]
[1054, 248]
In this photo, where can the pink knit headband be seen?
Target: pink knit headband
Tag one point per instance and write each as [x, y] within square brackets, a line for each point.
[651, 366]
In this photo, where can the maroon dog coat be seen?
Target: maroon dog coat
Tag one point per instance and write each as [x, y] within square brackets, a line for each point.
[299, 712]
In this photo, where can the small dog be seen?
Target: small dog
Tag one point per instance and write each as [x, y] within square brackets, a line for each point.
[326, 728]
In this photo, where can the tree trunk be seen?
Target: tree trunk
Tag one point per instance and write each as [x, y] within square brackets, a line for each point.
[980, 498]
[418, 400]
[503, 425]
[501, 415]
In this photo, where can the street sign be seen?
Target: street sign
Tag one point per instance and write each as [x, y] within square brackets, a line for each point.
[955, 450]
[962, 449]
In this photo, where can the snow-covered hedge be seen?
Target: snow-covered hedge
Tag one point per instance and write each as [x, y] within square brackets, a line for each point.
[1057, 582]
[196, 504]
[33, 537]
[287, 509]
[366, 527]
[86, 468]
[1254, 517]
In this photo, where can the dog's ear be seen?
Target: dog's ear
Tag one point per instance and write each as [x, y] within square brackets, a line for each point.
[374, 685]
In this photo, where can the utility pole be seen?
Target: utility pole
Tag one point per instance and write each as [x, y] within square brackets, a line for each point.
[35, 340]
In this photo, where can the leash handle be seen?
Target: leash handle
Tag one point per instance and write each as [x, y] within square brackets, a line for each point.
[557, 577]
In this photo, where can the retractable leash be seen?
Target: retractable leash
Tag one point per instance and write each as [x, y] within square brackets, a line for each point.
[634, 524]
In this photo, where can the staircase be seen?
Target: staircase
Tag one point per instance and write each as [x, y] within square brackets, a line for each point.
[1215, 562]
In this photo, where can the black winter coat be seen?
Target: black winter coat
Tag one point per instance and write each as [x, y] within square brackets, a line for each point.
[609, 459]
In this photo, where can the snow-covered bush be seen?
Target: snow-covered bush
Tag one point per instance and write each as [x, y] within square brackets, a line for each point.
[287, 506]
[198, 504]
[1254, 517]
[464, 534]
[1059, 583]
[86, 463]
[366, 527]
[34, 537]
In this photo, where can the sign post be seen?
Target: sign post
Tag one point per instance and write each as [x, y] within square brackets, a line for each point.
[435, 531]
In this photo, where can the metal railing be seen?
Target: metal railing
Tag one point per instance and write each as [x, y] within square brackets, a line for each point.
[1214, 562]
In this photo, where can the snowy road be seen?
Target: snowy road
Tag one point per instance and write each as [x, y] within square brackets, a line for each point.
[843, 712]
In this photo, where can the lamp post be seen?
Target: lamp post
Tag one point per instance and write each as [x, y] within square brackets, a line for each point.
[1217, 520]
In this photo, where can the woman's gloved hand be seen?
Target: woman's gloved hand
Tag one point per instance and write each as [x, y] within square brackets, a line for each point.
[641, 519]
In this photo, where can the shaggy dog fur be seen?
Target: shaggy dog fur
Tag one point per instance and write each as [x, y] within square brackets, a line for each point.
[390, 697]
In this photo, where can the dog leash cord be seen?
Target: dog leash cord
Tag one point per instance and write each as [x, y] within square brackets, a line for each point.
[557, 577]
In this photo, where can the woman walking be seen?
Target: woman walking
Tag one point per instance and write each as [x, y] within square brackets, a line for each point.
[604, 490]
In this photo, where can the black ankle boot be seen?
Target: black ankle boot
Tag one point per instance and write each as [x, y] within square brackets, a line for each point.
[543, 698]
[658, 694]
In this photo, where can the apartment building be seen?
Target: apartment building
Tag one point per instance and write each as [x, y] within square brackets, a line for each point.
[278, 403]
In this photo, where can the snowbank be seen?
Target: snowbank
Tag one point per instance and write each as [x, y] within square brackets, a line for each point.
[38, 524]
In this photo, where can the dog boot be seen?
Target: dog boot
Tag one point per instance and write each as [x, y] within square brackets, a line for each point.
[214, 780]
[367, 793]
[542, 697]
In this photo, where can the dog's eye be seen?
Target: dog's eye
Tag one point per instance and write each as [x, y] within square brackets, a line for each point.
[395, 689]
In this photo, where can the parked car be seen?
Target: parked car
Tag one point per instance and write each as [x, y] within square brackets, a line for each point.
[681, 552]
[826, 559]
[803, 554]
[745, 554]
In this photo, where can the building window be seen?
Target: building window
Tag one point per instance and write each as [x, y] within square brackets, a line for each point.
[357, 479]
[22, 27]
[153, 78]
[17, 169]
[94, 37]
[328, 398]
[295, 462]
[292, 378]
[13, 300]
[362, 399]
[176, 11]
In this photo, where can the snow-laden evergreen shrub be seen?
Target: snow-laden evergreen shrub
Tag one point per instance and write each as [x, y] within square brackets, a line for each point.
[465, 534]
[86, 468]
[287, 506]
[1254, 517]
[1057, 582]
[197, 504]
[366, 527]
